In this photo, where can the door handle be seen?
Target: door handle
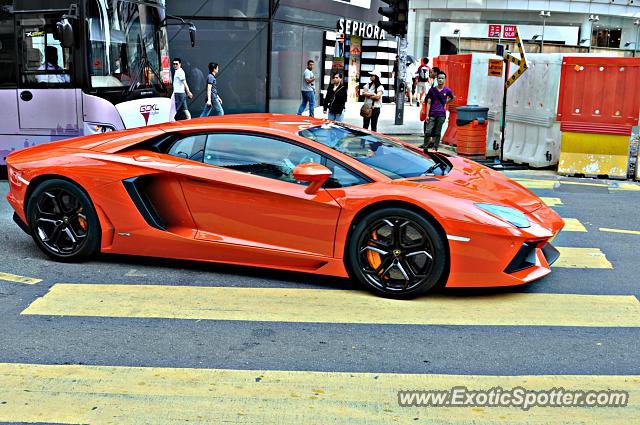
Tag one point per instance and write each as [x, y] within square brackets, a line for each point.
[26, 95]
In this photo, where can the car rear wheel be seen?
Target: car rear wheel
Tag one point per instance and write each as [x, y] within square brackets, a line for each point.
[396, 252]
[63, 221]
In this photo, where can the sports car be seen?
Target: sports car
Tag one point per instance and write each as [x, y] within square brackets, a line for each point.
[285, 192]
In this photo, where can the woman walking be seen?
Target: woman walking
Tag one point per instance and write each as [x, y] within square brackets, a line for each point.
[373, 96]
[336, 99]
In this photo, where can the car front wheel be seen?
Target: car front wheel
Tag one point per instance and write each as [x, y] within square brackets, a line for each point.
[396, 252]
[63, 221]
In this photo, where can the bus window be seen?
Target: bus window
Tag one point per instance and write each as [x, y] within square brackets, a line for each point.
[45, 62]
[7, 47]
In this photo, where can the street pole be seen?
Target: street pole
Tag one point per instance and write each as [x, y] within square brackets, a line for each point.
[503, 121]
[544, 20]
[635, 48]
[399, 82]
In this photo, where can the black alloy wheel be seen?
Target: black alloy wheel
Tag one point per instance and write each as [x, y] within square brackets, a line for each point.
[396, 252]
[63, 221]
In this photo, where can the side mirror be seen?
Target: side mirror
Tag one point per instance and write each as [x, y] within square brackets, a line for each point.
[192, 35]
[311, 172]
[64, 33]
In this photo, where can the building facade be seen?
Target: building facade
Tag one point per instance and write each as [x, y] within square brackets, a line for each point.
[441, 26]
[262, 47]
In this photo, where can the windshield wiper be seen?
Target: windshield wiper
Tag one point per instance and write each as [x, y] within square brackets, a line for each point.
[144, 63]
[434, 167]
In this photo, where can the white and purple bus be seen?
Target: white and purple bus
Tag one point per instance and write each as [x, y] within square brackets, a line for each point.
[77, 67]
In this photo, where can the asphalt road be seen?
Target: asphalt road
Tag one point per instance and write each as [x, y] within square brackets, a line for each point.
[477, 349]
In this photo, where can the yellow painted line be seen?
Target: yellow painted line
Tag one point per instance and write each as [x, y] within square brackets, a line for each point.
[136, 395]
[537, 184]
[573, 225]
[552, 202]
[629, 232]
[582, 258]
[19, 279]
[627, 186]
[583, 183]
[334, 306]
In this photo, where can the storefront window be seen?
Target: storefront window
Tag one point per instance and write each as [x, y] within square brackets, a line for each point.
[240, 48]
[293, 45]
[220, 8]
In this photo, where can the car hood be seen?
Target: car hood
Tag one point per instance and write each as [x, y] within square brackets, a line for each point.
[477, 183]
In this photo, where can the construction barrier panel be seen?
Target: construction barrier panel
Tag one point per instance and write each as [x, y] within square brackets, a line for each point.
[458, 70]
[594, 155]
[600, 94]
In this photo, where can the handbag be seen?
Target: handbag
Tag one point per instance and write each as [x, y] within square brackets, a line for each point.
[367, 110]
[423, 111]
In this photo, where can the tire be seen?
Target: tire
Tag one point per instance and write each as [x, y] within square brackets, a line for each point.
[63, 221]
[396, 253]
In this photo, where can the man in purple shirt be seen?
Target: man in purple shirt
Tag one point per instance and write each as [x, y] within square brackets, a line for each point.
[436, 99]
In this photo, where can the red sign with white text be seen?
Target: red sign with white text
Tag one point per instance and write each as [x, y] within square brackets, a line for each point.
[495, 30]
[509, 31]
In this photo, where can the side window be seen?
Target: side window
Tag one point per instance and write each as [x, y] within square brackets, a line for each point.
[341, 177]
[254, 154]
[191, 147]
[7, 46]
[44, 62]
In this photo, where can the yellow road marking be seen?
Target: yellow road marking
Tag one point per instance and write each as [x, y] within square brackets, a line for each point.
[551, 202]
[573, 225]
[135, 395]
[583, 183]
[629, 232]
[627, 186]
[537, 184]
[19, 279]
[582, 258]
[334, 306]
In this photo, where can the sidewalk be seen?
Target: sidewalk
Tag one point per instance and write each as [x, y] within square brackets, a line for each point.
[412, 125]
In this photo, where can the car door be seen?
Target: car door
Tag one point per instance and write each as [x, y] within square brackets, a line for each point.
[48, 98]
[243, 193]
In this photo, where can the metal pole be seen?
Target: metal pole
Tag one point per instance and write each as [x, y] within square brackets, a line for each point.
[459, 43]
[402, 67]
[590, 34]
[635, 48]
[504, 109]
[542, 42]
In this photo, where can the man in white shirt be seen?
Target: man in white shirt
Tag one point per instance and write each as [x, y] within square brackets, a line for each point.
[180, 89]
[308, 90]
[51, 64]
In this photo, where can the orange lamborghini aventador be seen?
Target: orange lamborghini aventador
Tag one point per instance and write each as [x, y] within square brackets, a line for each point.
[284, 192]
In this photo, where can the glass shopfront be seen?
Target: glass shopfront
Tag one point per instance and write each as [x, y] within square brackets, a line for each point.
[262, 47]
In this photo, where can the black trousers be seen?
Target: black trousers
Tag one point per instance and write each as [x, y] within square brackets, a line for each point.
[373, 120]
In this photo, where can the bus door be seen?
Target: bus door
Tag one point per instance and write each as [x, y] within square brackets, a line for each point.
[48, 102]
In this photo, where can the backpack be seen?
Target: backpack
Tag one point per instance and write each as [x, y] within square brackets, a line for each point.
[423, 73]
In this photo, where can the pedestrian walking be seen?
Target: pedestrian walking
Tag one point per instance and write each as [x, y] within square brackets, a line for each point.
[180, 91]
[336, 99]
[436, 99]
[214, 102]
[373, 96]
[423, 80]
[308, 90]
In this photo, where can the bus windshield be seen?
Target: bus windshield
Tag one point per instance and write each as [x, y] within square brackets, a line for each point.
[128, 47]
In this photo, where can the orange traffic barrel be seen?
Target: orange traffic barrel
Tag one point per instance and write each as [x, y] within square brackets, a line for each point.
[471, 140]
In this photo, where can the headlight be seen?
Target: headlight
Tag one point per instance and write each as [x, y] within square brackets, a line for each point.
[93, 128]
[510, 215]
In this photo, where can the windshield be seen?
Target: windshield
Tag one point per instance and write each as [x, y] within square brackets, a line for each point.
[384, 155]
[128, 48]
